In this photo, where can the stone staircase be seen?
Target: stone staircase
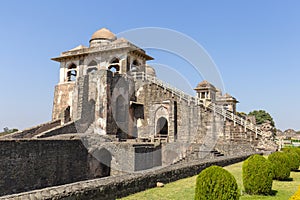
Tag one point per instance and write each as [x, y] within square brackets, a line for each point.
[195, 156]
[227, 115]
[195, 153]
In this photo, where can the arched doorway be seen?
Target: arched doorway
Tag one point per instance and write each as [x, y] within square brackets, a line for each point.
[162, 127]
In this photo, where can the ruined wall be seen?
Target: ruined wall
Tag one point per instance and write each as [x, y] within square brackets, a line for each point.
[90, 103]
[62, 99]
[27, 165]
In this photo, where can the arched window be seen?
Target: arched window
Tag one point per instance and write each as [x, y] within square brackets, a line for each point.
[91, 70]
[114, 65]
[72, 72]
[162, 127]
[136, 63]
[92, 64]
[92, 67]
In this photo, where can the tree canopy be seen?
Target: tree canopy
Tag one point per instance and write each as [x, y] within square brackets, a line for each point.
[6, 131]
[262, 116]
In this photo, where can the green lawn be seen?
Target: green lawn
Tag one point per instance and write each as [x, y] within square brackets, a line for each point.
[184, 189]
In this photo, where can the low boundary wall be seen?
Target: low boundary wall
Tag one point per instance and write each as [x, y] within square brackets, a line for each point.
[124, 185]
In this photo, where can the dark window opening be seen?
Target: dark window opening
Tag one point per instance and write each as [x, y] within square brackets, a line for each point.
[72, 73]
[162, 127]
[91, 70]
[67, 114]
[203, 95]
[114, 66]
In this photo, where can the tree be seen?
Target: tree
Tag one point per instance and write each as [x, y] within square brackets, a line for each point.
[242, 114]
[6, 130]
[262, 116]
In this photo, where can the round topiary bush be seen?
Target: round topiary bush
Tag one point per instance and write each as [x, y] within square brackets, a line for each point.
[281, 165]
[216, 183]
[292, 149]
[257, 175]
[294, 156]
[294, 160]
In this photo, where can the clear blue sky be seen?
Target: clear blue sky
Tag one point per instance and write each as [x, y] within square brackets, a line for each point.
[255, 44]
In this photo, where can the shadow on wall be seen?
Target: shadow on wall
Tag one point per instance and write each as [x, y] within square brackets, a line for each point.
[100, 163]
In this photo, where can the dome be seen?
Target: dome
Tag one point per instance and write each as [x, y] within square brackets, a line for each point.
[103, 34]
[205, 85]
[150, 71]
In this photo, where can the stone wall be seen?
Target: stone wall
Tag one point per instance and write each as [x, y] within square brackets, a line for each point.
[62, 99]
[33, 131]
[184, 118]
[147, 156]
[32, 164]
[110, 188]
[64, 129]
[38, 163]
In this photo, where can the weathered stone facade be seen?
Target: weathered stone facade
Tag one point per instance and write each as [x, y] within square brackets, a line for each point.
[126, 119]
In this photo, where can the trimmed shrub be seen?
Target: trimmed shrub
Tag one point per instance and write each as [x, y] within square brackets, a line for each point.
[294, 160]
[281, 165]
[257, 175]
[294, 156]
[292, 149]
[296, 196]
[216, 183]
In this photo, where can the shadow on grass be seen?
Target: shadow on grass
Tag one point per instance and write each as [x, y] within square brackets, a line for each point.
[273, 193]
[298, 170]
[286, 180]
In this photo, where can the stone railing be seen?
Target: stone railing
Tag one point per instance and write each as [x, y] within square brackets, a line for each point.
[211, 106]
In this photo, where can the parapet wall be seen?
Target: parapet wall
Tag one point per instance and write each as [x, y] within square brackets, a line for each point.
[32, 164]
[120, 186]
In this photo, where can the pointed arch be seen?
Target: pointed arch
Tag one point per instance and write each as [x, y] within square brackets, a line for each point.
[72, 72]
[91, 70]
[92, 63]
[91, 67]
[114, 65]
[162, 127]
